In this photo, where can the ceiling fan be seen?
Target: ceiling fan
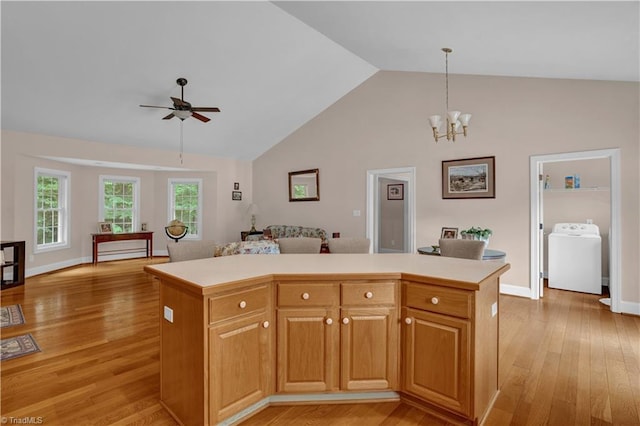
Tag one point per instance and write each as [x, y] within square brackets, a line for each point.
[183, 109]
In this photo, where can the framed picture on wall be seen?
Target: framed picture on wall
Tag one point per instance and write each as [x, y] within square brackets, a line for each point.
[469, 178]
[236, 185]
[395, 191]
[236, 196]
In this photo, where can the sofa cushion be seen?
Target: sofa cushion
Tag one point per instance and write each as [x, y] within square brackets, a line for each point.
[293, 231]
[259, 247]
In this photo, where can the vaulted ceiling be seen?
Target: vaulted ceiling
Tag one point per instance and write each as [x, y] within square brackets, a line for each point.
[81, 69]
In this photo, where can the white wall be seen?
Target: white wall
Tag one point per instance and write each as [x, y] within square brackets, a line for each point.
[383, 123]
[21, 153]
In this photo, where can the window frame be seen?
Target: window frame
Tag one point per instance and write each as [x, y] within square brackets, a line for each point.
[135, 219]
[64, 215]
[171, 203]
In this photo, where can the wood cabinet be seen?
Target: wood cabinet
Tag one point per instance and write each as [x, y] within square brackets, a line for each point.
[13, 264]
[240, 346]
[455, 330]
[337, 336]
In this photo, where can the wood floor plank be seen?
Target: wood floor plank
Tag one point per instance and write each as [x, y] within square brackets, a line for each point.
[564, 359]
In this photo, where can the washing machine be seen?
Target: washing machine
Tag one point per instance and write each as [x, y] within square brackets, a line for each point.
[575, 261]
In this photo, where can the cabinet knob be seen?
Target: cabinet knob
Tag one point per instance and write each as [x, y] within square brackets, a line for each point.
[368, 295]
[345, 320]
[242, 304]
[305, 296]
[328, 321]
[435, 300]
[265, 324]
[408, 321]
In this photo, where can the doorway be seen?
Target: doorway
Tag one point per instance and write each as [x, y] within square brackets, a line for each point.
[391, 210]
[536, 218]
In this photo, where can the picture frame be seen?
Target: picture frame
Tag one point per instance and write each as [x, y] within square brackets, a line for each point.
[236, 186]
[469, 178]
[105, 228]
[236, 196]
[449, 233]
[143, 227]
[395, 191]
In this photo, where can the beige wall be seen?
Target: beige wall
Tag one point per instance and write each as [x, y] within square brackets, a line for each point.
[383, 123]
[21, 153]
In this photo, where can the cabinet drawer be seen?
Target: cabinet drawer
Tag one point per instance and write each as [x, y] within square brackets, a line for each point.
[238, 303]
[368, 293]
[308, 294]
[438, 299]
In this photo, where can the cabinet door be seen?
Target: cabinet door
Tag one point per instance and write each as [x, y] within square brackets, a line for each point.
[308, 344]
[239, 364]
[369, 356]
[437, 359]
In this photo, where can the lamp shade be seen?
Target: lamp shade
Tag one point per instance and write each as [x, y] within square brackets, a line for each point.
[253, 209]
[182, 114]
[453, 116]
[464, 119]
[435, 121]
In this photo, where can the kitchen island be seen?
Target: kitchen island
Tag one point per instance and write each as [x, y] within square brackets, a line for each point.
[241, 332]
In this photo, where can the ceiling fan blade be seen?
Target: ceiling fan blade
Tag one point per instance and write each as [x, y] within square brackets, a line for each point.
[168, 117]
[206, 109]
[200, 117]
[179, 102]
[153, 106]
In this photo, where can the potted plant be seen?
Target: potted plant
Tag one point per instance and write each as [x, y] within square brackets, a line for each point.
[477, 233]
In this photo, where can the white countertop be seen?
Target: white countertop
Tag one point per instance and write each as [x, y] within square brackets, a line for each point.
[205, 273]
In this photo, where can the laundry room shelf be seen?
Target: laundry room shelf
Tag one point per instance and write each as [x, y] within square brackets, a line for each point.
[592, 189]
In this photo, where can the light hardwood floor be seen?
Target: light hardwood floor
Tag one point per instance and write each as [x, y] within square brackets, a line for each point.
[564, 360]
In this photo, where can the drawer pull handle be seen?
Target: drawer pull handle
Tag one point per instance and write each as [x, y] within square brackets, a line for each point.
[368, 295]
[328, 321]
[408, 321]
[345, 320]
[242, 304]
[305, 296]
[435, 300]
[265, 324]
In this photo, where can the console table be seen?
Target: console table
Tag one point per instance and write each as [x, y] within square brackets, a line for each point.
[106, 238]
[489, 254]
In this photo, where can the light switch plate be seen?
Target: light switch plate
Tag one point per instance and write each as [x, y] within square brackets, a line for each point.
[168, 314]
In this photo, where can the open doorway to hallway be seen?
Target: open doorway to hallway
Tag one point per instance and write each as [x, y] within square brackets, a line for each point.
[391, 210]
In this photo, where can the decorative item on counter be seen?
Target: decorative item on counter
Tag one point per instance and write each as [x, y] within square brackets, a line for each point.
[576, 181]
[477, 233]
[568, 182]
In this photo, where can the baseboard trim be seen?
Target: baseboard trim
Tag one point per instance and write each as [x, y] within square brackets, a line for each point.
[515, 290]
[632, 308]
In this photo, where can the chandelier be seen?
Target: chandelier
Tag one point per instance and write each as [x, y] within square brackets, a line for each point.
[455, 119]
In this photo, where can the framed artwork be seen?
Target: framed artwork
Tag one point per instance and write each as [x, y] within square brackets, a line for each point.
[236, 196]
[236, 186]
[395, 191]
[105, 228]
[469, 178]
[449, 233]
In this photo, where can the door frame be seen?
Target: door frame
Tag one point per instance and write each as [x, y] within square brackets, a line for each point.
[406, 174]
[535, 192]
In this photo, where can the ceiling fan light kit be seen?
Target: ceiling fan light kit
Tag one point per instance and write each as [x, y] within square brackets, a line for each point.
[455, 119]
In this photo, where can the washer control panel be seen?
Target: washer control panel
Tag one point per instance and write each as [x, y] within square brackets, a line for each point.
[576, 229]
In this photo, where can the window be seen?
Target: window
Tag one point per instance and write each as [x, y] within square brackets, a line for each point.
[51, 209]
[119, 202]
[185, 204]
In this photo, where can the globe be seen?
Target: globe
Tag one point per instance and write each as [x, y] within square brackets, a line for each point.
[176, 229]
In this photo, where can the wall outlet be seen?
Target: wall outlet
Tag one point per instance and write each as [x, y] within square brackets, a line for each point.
[494, 309]
[356, 212]
[168, 314]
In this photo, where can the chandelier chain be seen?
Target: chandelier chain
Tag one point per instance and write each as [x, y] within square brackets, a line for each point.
[446, 77]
